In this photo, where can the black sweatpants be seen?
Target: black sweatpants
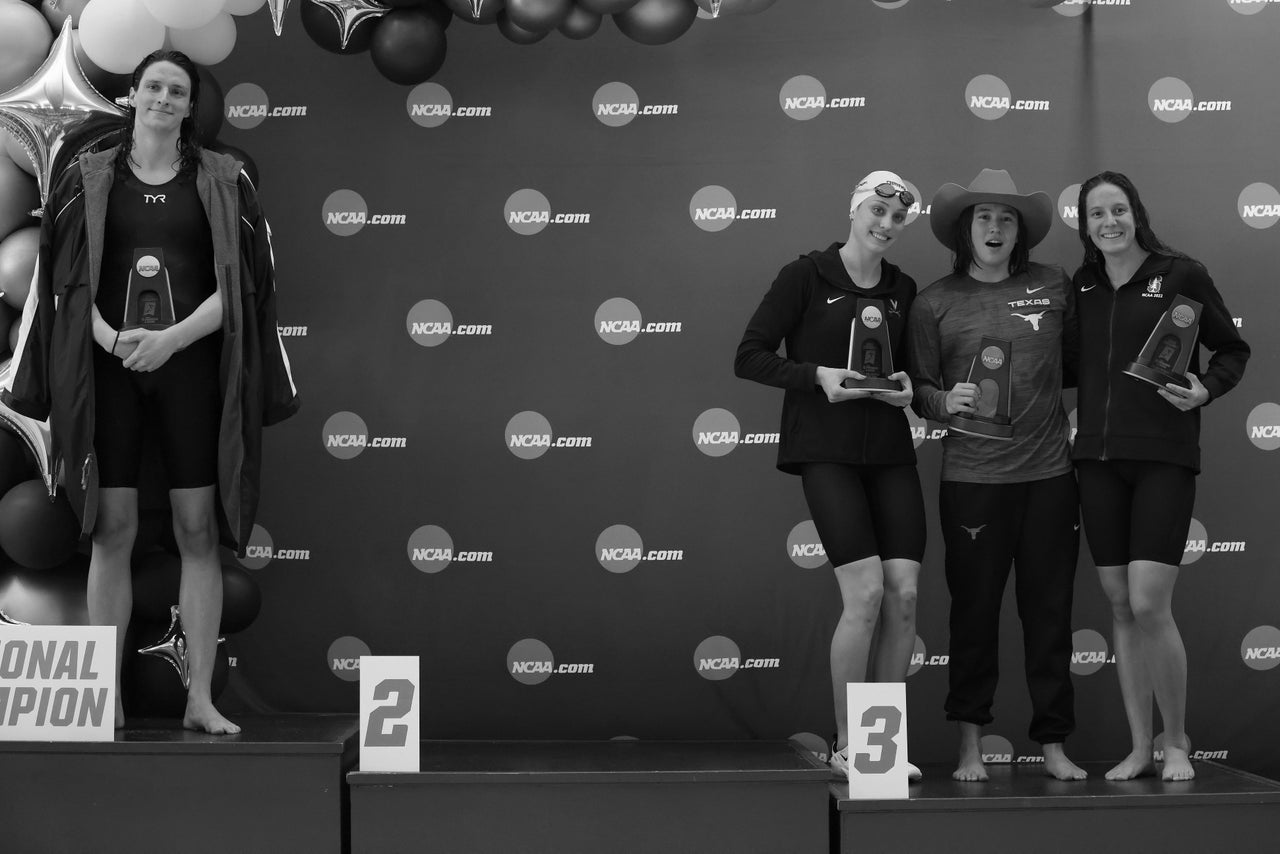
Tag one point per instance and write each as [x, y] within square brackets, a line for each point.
[987, 529]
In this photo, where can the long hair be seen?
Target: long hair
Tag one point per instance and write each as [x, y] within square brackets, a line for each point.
[962, 240]
[1142, 222]
[188, 144]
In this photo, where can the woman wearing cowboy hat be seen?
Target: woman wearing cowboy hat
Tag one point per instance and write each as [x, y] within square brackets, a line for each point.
[851, 447]
[1008, 500]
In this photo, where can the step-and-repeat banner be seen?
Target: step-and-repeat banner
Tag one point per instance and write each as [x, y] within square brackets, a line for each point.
[512, 296]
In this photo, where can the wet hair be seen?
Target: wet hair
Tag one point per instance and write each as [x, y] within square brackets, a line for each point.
[1142, 223]
[962, 240]
[188, 144]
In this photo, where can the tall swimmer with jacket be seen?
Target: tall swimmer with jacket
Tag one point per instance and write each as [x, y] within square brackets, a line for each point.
[852, 448]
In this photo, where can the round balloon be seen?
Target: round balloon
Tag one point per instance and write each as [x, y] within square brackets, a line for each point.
[538, 16]
[439, 11]
[516, 33]
[240, 154]
[408, 46]
[156, 576]
[49, 597]
[466, 10]
[19, 194]
[16, 464]
[184, 14]
[24, 43]
[16, 154]
[580, 23]
[7, 315]
[243, 7]
[18, 264]
[606, 7]
[117, 34]
[211, 108]
[241, 599]
[208, 44]
[57, 11]
[109, 85]
[36, 532]
[657, 21]
[325, 31]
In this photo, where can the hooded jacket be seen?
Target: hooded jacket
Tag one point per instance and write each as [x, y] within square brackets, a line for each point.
[811, 306]
[54, 378]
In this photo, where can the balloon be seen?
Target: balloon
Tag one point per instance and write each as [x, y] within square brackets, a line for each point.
[117, 34]
[581, 23]
[156, 678]
[242, 7]
[724, 7]
[35, 434]
[476, 11]
[15, 465]
[241, 599]
[209, 44]
[109, 85]
[348, 15]
[408, 46]
[517, 33]
[36, 532]
[657, 21]
[606, 7]
[278, 8]
[239, 154]
[184, 14]
[18, 264]
[18, 193]
[7, 315]
[539, 16]
[326, 31]
[14, 329]
[24, 42]
[49, 597]
[57, 11]
[211, 108]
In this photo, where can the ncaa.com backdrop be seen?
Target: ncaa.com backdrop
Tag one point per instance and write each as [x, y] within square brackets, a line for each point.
[512, 298]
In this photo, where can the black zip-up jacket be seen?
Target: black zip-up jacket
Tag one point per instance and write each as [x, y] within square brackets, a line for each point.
[811, 306]
[1118, 416]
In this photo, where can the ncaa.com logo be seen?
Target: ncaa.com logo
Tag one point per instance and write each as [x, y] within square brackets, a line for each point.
[529, 211]
[618, 321]
[1089, 652]
[261, 550]
[248, 106]
[291, 331]
[713, 208]
[346, 437]
[921, 658]
[890, 4]
[921, 432]
[1171, 100]
[530, 661]
[1259, 205]
[718, 657]
[1263, 426]
[1250, 7]
[988, 97]
[345, 212]
[1075, 8]
[344, 657]
[1260, 648]
[1157, 751]
[716, 432]
[430, 324]
[529, 436]
[617, 104]
[1199, 544]
[804, 97]
[619, 549]
[1068, 204]
[430, 105]
[431, 549]
[804, 546]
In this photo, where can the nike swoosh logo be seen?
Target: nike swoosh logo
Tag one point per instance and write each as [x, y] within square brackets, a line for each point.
[1091, 287]
[1036, 290]
[834, 299]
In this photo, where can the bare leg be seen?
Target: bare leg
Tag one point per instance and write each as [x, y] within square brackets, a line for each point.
[970, 767]
[1151, 593]
[110, 590]
[200, 601]
[861, 590]
[1057, 765]
[896, 631]
[1135, 678]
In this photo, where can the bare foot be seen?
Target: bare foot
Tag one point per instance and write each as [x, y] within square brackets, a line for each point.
[1137, 764]
[205, 718]
[1058, 766]
[1177, 765]
[913, 774]
[970, 768]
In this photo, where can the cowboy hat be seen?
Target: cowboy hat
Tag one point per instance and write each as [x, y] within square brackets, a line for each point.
[991, 186]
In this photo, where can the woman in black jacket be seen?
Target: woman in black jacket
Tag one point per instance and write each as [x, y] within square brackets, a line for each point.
[851, 447]
[1137, 449]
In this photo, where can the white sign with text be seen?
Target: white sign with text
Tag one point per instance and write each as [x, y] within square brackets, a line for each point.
[389, 723]
[57, 683]
[877, 740]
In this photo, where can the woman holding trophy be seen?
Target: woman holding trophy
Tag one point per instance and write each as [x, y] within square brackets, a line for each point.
[1144, 311]
[844, 432]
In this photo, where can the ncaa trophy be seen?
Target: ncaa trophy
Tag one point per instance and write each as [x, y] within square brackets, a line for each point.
[1165, 356]
[870, 353]
[990, 372]
[148, 301]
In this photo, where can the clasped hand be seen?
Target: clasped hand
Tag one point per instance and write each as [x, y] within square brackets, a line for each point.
[144, 349]
[831, 381]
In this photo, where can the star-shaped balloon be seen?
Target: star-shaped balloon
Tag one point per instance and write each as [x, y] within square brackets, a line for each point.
[173, 647]
[35, 434]
[57, 111]
[352, 13]
[6, 620]
[278, 8]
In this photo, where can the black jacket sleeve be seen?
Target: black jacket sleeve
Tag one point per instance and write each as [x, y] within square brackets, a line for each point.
[779, 314]
[1218, 332]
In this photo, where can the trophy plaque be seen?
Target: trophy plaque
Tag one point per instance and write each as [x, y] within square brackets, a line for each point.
[870, 352]
[990, 372]
[148, 302]
[1165, 356]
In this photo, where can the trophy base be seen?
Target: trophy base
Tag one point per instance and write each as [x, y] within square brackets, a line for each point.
[873, 384]
[1155, 376]
[984, 427]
